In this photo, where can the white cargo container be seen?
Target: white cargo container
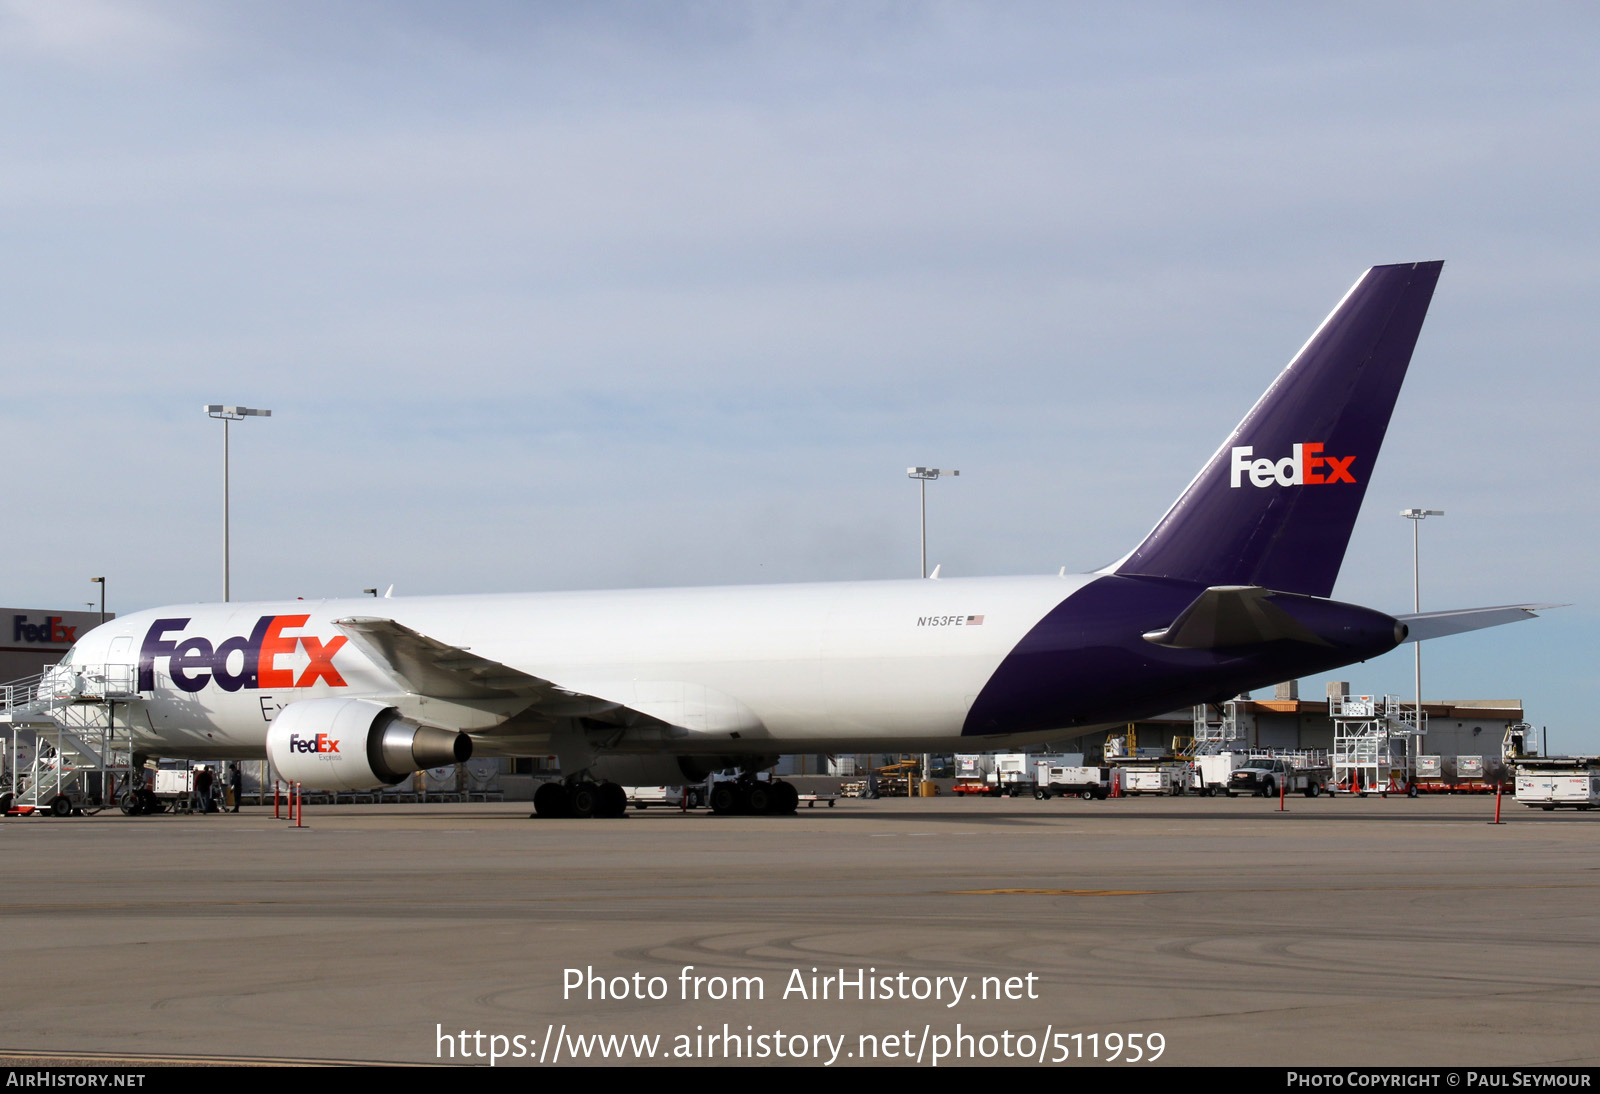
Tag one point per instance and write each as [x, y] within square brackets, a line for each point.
[1011, 774]
[973, 774]
[1211, 773]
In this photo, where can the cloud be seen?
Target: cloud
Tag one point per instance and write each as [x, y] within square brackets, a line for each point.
[92, 34]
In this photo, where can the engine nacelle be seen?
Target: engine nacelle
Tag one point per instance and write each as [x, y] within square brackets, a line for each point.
[356, 744]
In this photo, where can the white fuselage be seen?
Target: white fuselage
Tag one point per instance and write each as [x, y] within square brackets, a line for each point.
[778, 668]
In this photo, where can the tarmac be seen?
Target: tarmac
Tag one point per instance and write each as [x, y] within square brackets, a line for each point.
[1341, 932]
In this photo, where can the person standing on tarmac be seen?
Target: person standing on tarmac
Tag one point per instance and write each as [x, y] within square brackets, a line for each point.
[202, 789]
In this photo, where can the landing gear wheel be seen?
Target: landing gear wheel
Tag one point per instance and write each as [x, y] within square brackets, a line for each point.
[758, 799]
[613, 801]
[584, 800]
[61, 806]
[785, 799]
[130, 803]
[552, 800]
[723, 799]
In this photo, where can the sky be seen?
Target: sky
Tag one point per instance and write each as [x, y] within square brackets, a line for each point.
[600, 295]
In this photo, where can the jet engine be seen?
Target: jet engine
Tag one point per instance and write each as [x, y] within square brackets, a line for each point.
[356, 744]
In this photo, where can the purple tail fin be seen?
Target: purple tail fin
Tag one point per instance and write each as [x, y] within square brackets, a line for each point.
[1276, 504]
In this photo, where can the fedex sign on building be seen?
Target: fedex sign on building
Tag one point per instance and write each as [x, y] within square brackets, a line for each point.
[31, 638]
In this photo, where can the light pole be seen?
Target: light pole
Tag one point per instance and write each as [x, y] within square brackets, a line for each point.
[100, 581]
[1416, 517]
[923, 475]
[228, 415]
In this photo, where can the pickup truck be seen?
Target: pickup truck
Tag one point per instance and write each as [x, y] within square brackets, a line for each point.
[1264, 777]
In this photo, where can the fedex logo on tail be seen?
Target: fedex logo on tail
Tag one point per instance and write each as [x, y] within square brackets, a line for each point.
[1307, 467]
[194, 662]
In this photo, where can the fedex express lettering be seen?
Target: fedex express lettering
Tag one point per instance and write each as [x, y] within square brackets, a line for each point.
[193, 662]
[1304, 468]
[321, 743]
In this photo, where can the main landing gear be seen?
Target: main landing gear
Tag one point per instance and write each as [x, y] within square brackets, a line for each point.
[753, 797]
[580, 799]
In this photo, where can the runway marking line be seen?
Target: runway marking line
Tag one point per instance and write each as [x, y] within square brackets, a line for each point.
[1302, 889]
[1060, 892]
[24, 910]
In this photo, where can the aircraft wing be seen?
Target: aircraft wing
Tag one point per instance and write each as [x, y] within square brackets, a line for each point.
[439, 670]
[1422, 626]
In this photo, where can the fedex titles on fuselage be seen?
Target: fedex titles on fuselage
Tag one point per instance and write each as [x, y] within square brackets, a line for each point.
[1307, 467]
[192, 663]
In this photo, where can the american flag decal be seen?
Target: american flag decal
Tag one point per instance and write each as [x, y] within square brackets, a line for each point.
[974, 620]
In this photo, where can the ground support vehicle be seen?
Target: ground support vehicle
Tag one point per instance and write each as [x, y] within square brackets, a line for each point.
[1164, 777]
[1559, 782]
[1267, 776]
[668, 797]
[1056, 780]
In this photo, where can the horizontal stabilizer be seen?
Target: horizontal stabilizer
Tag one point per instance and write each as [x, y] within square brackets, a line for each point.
[1425, 625]
[1233, 615]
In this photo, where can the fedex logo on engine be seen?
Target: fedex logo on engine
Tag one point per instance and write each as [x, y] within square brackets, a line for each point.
[1307, 467]
[321, 743]
[245, 661]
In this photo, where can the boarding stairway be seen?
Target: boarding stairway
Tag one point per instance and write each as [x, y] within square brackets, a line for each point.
[62, 750]
[1371, 743]
[1216, 730]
